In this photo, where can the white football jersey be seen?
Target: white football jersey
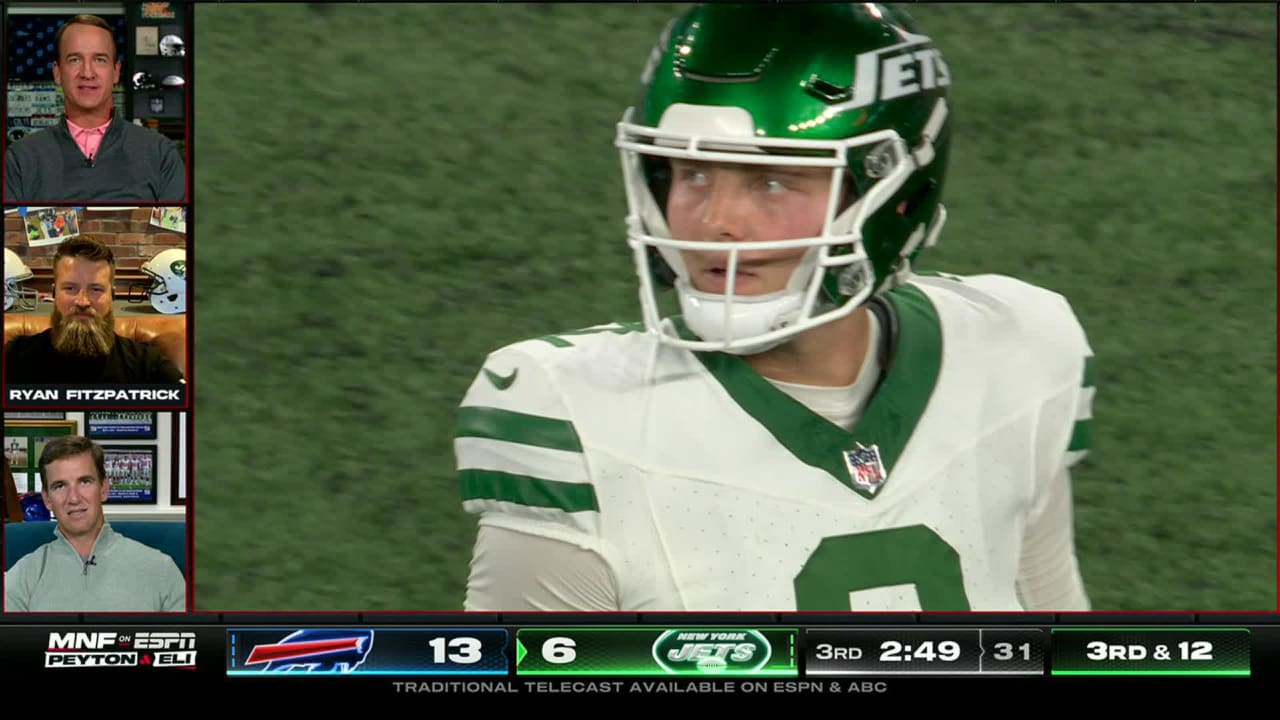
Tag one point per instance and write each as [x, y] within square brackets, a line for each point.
[704, 487]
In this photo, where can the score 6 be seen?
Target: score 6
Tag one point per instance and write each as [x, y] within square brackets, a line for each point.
[559, 650]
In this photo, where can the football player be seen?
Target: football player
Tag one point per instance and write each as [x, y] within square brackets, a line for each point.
[819, 427]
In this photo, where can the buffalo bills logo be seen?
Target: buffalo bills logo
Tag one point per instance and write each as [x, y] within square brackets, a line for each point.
[314, 651]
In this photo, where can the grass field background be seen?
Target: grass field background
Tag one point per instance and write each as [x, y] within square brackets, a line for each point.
[385, 193]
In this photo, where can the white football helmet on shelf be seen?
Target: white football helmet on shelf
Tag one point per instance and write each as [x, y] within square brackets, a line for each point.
[16, 272]
[172, 46]
[168, 287]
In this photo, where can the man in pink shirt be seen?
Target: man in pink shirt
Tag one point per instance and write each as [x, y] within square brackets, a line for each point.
[93, 154]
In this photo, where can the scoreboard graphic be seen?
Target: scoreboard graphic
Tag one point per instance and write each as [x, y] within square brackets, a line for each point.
[565, 658]
[728, 652]
[1220, 652]
[633, 652]
[366, 651]
[899, 651]
[612, 651]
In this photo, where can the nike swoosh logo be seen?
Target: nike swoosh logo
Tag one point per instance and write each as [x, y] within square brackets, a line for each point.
[500, 382]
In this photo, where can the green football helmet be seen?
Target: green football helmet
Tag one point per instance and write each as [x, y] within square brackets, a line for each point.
[853, 87]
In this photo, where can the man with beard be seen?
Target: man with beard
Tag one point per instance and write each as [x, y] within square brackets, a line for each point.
[93, 153]
[81, 346]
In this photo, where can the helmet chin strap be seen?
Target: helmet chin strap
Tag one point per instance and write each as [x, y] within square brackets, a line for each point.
[749, 316]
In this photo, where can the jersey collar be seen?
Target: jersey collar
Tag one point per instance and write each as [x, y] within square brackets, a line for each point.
[106, 538]
[895, 408]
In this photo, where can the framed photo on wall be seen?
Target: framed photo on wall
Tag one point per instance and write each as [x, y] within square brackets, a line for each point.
[131, 470]
[50, 225]
[35, 415]
[178, 461]
[24, 440]
[120, 425]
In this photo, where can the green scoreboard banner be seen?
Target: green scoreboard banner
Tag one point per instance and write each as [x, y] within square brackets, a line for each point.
[632, 651]
[1151, 651]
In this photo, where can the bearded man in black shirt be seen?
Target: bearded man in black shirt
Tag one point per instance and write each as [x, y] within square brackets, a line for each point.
[81, 345]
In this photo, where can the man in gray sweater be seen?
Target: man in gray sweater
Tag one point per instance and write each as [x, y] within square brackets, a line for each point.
[93, 154]
[88, 567]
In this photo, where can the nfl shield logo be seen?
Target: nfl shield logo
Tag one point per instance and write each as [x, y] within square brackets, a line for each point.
[865, 469]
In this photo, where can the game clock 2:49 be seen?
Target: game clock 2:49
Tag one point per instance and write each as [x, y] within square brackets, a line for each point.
[892, 651]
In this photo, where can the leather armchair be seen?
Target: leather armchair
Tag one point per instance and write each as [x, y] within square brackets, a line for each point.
[168, 333]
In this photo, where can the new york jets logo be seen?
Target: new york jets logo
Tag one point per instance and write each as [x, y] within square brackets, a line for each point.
[179, 268]
[890, 73]
[702, 652]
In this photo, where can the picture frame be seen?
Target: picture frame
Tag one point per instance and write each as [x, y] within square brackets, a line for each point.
[171, 218]
[147, 40]
[178, 488]
[131, 473]
[120, 424]
[23, 442]
[50, 225]
[158, 11]
[12, 506]
[34, 415]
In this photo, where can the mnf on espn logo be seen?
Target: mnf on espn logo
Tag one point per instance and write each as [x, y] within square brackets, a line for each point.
[123, 649]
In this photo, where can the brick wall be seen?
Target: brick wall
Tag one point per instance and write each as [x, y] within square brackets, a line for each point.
[129, 234]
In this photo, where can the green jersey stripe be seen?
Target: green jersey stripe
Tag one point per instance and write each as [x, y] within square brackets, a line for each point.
[526, 490]
[1089, 378]
[557, 340]
[1081, 436]
[486, 454]
[536, 430]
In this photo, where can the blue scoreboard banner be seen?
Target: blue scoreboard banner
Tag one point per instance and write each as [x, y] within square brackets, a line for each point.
[367, 651]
